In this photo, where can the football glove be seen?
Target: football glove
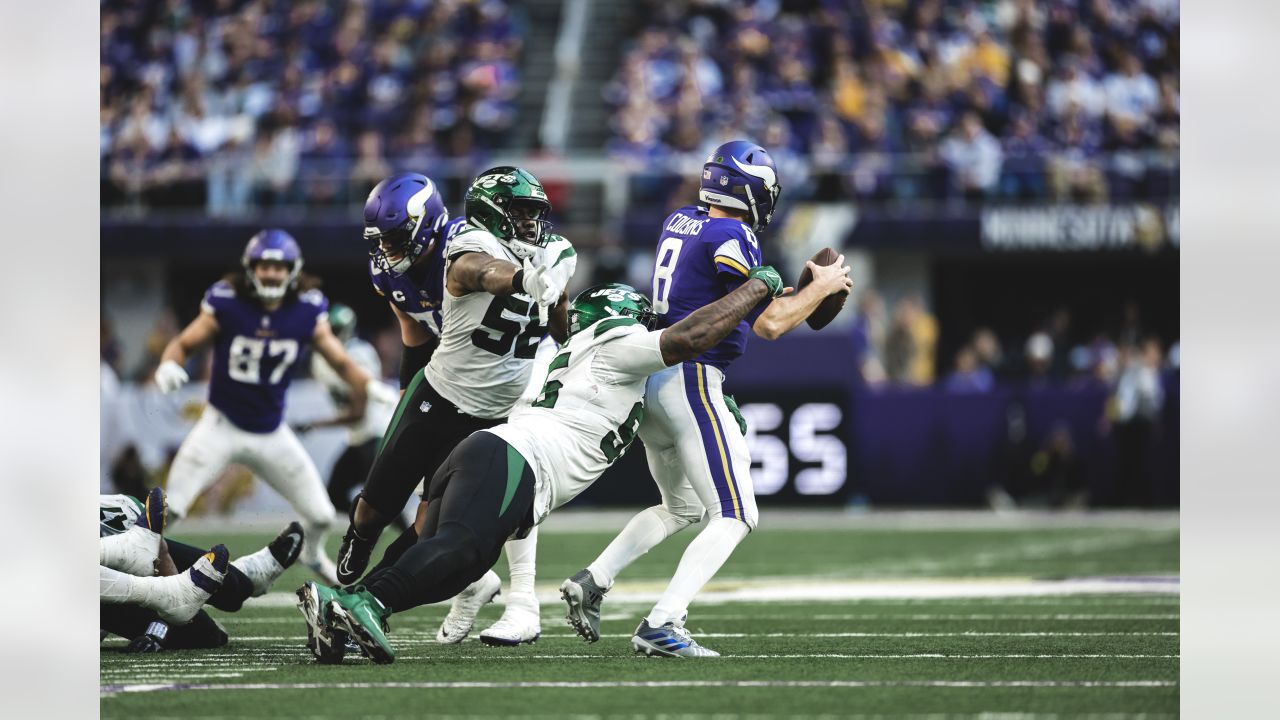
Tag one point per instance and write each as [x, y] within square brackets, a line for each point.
[379, 391]
[170, 376]
[770, 277]
[150, 641]
[538, 284]
[737, 414]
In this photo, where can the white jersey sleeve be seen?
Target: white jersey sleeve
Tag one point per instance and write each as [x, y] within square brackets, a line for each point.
[636, 353]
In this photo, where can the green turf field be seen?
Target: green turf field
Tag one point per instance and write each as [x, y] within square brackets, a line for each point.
[817, 614]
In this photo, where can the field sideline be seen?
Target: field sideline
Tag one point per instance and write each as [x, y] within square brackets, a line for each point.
[935, 615]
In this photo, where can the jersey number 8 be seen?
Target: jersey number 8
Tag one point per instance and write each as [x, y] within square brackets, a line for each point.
[668, 256]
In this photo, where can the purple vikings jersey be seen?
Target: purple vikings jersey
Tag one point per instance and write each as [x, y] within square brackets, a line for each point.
[419, 292]
[700, 260]
[255, 353]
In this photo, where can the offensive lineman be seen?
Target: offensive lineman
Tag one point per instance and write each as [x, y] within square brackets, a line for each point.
[507, 479]
[480, 285]
[259, 324]
[698, 461]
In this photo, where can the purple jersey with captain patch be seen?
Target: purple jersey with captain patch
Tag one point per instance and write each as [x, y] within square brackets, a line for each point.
[256, 352]
[419, 292]
[700, 260]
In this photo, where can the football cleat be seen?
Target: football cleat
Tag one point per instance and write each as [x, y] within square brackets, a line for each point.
[266, 565]
[670, 640]
[583, 596]
[353, 556]
[327, 644]
[364, 618]
[153, 511]
[188, 591]
[519, 623]
[466, 605]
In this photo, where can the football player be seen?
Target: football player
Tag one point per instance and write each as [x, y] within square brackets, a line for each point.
[166, 612]
[471, 297]
[259, 324]
[504, 481]
[352, 466]
[694, 435]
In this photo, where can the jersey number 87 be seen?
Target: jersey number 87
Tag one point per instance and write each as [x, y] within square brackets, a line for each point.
[245, 361]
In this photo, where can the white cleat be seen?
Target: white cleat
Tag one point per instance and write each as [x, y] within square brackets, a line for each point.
[324, 569]
[462, 614]
[670, 640]
[519, 623]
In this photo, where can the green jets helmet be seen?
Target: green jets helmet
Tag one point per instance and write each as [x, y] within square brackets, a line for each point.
[342, 320]
[604, 302]
[510, 203]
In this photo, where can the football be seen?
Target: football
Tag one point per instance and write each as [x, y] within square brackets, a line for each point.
[832, 305]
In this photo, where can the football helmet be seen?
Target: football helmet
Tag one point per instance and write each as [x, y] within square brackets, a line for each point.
[402, 218]
[342, 320]
[272, 244]
[742, 176]
[606, 301]
[510, 203]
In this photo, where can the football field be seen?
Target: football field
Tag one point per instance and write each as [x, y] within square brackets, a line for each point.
[940, 615]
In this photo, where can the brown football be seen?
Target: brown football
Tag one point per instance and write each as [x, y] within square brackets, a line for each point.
[833, 304]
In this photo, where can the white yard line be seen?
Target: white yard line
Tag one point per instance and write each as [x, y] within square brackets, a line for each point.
[596, 685]
[408, 638]
[804, 589]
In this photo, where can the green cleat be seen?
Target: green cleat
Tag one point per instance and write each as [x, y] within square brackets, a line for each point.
[326, 643]
[362, 616]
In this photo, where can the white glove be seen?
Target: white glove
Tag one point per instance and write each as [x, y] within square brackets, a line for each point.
[170, 376]
[541, 285]
[379, 391]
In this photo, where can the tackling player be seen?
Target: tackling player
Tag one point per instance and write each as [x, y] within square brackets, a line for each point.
[694, 436]
[259, 324]
[470, 295]
[506, 480]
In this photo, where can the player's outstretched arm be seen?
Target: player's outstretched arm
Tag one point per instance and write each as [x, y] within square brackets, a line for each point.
[785, 313]
[478, 272]
[703, 328]
[559, 327]
[331, 349]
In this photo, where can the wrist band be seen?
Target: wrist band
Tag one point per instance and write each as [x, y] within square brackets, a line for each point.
[517, 281]
[158, 630]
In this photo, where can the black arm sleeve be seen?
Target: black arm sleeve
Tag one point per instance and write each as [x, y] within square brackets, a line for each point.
[414, 359]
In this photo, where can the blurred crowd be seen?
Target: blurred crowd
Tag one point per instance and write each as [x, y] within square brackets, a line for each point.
[229, 103]
[909, 99]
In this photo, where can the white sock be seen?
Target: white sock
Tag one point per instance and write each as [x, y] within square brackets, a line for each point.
[701, 560]
[261, 568]
[522, 559]
[313, 545]
[643, 533]
[116, 587]
[133, 551]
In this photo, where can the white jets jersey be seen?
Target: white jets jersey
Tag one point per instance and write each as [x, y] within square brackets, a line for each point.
[488, 342]
[117, 513]
[377, 411]
[588, 412]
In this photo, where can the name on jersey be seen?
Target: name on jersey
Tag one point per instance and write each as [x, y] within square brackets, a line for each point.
[685, 225]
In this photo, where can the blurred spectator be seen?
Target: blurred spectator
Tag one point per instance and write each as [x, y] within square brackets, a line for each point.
[1039, 356]
[1057, 476]
[973, 156]
[909, 346]
[969, 375]
[989, 354]
[1136, 407]
[868, 337]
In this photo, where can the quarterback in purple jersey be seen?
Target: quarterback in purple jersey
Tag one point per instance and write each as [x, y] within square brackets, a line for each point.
[259, 324]
[693, 434]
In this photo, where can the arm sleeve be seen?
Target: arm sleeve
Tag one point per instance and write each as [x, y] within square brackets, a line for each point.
[633, 353]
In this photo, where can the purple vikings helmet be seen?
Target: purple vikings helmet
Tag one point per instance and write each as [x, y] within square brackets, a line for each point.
[272, 244]
[741, 175]
[404, 212]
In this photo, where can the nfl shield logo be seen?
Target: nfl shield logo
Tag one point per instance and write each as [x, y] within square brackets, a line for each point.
[724, 179]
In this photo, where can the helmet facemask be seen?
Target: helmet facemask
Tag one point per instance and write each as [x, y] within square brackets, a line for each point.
[272, 292]
[396, 241]
[528, 225]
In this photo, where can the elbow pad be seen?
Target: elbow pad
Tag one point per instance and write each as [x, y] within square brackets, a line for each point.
[414, 359]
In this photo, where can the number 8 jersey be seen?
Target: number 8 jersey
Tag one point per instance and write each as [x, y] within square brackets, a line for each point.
[256, 352]
[488, 343]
